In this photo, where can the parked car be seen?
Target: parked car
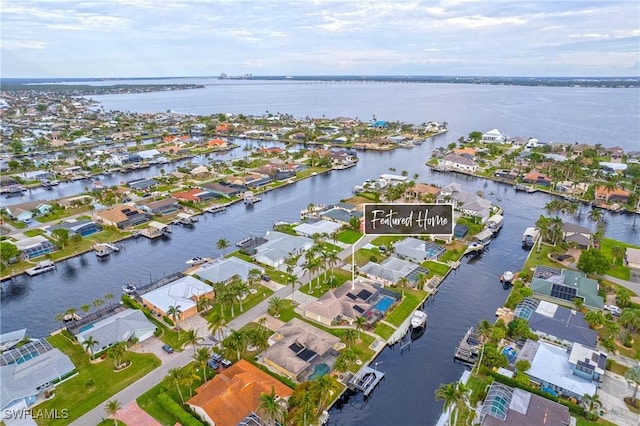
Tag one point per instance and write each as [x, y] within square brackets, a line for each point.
[216, 357]
[614, 310]
[167, 348]
[266, 277]
[213, 364]
[226, 363]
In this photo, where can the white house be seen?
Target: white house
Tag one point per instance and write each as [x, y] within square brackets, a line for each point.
[493, 136]
[459, 162]
[121, 327]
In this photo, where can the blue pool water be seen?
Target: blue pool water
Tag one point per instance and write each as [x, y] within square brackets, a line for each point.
[318, 371]
[85, 328]
[510, 353]
[26, 357]
[384, 304]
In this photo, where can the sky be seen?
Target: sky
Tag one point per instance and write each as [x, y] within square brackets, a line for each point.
[183, 38]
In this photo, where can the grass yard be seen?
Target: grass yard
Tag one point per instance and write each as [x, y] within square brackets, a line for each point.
[435, 268]
[411, 300]
[94, 383]
[383, 330]
[348, 236]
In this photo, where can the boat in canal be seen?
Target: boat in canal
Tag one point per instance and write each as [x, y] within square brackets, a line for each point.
[196, 260]
[129, 289]
[494, 224]
[41, 268]
[507, 277]
[419, 319]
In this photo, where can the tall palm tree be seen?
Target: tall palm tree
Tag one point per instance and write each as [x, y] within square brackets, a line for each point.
[275, 304]
[322, 388]
[616, 253]
[595, 215]
[453, 394]
[174, 312]
[270, 409]
[85, 308]
[235, 341]
[191, 338]
[201, 356]
[109, 297]
[203, 303]
[89, 343]
[71, 313]
[222, 245]
[593, 403]
[112, 408]
[361, 323]
[632, 376]
[305, 402]
[349, 336]
[97, 303]
[176, 377]
[216, 322]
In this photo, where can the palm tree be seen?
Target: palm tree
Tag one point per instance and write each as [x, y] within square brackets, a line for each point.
[235, 341]
[361, 323]
[293, 280]
[97, 303]
[176, 377]
[453, 394]
[595, 215]
[112, 408]
[222, 245]
[89, 343]
[275, 304]
[270, 409]
[203, 303]
[305, 405]
[59, 317]
[85, 308]
[593, 403]
[116, 353]
[71, 313]
[192, 338]
[202, 357]
[216, 322]
[349, 336]
[322, 389]
[109, 297]
[174, 312]
[616, 253]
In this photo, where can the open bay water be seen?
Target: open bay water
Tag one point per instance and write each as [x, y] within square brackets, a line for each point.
[472, 293]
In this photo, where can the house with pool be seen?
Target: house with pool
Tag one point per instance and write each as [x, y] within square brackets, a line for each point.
[351, 300]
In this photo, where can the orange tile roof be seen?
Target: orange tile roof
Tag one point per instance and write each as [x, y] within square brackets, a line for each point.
[216, 142]
[603, 190]
[466, 150]
[189, 195]
[222, 128]
[235, 392]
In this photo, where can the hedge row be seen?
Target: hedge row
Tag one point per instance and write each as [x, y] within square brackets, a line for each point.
[184, 418]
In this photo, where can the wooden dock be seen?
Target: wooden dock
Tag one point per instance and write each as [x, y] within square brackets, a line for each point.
[468, 350]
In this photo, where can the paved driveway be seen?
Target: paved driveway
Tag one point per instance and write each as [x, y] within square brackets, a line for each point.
[612, 391]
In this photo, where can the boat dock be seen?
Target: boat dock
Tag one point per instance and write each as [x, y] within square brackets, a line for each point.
[41, 268]
[366, 380]
[215, 209]
[468, 350]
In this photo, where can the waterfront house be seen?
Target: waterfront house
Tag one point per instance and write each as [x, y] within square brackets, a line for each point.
[392, 270]
[417, 250]
[565, 287]
[119, 327]
[351, 300]
[225, 189]
[421, 192]
[223, 270]
[573, 188]
[536, 178]
[576, 234]
[183, 293]
[505, 406]
[28, 371]
[320, 227]
[122, 216]
[233, 395]
[609, 195]
[297, 347]
[196, 195]
[142, 184]
[632, 258]
[572, 373]
[35, 246]
[279, 247]
[510, 175]
[556, 323]
[466, 152]
[459, 162]
[470, 204]
[340, 213]
[217, 144]
[83, 228]
[493, 136]
[161, 207]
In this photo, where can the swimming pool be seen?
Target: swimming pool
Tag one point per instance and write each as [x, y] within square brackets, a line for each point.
[85, 328]
[510, 353]
[433, 251]
[318, 371]
[384, 304]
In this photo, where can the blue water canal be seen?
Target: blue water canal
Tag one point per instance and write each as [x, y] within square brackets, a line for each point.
[473, 292]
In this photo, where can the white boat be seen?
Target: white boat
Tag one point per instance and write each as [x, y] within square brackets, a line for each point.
[507, 277]
[419, 319]
[495, 222]
[129, 288]
[474, 247]
[41, 268]
[196, 260]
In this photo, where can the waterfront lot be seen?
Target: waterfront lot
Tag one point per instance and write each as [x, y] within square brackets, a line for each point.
[94, 383]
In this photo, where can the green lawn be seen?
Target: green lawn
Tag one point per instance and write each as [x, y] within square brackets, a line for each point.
[618, 269]
[383, 330]
[348, 236]
[409, 303]
[386, 240]
[435, 268]
[340, 276]
[94, 383]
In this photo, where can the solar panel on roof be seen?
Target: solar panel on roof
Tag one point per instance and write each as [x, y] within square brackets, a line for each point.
[306, 354]
[364, 294]
[296, 347]
[358, 309]
[351, 296]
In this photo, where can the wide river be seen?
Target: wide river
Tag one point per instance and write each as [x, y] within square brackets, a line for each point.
[406, 396]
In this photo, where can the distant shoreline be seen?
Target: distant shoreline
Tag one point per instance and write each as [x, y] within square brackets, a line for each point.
[603, 82]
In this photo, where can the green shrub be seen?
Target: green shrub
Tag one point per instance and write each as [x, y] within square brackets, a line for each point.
[168, 320]
[184, 418]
